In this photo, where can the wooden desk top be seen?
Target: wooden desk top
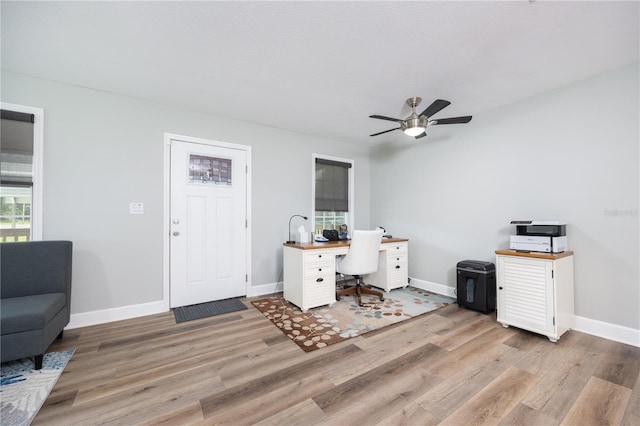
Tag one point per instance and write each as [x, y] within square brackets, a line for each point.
[336, 244]
[538, 255]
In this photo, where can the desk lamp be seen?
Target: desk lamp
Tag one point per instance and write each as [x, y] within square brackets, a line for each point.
[290, 240]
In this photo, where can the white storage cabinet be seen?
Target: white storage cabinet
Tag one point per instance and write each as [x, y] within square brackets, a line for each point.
[315, 270]
[535, 291]
[393, 267]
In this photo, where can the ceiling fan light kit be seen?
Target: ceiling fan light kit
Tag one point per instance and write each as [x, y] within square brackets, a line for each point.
[416, 125]
[414, 130]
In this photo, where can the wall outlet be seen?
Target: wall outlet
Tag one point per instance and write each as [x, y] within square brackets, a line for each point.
[136, 208]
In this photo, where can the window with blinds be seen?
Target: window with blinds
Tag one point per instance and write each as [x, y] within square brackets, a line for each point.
[332, 193]
[16, 175]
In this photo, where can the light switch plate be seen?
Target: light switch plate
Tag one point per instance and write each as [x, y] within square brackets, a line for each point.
[136, 208]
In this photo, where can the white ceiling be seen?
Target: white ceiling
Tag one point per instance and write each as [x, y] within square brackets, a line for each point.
[321, 68]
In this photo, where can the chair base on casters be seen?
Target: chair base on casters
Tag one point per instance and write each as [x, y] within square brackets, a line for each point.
[359, 289]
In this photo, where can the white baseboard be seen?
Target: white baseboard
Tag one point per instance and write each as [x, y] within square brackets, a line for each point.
[115, 314]
[133, 311]
[268, 289]
[434, 287]
[618, 333]
[264, 289]
[103, 316]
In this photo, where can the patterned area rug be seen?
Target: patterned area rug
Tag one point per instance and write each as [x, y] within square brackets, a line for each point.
[323, 326]
[23, 390]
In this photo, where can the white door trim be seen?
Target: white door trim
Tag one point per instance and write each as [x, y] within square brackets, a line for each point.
[168, 137]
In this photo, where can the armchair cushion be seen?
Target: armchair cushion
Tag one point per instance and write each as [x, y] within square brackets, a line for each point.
[30, 312]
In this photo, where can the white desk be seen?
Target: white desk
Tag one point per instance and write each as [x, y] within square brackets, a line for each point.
[310, 270]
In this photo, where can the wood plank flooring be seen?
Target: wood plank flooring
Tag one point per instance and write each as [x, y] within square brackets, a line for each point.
[452, 367]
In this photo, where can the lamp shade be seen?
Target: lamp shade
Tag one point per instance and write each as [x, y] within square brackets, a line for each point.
[414, 126]
[414, 131]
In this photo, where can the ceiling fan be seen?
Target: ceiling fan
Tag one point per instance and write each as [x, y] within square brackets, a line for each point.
[416, 125]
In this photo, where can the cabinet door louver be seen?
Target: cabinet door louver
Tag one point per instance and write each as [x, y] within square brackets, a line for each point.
[527, 298]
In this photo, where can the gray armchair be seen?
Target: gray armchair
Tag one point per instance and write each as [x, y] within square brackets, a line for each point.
[35, 296]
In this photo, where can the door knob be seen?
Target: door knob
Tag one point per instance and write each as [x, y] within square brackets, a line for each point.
[176, 221]
[176, 233]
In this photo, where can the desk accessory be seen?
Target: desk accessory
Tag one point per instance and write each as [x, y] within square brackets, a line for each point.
[303, 235]
[290, 241]
[331, 234]
[385, 233]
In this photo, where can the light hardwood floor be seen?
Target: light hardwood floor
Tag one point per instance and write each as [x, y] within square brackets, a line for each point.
[451, 367]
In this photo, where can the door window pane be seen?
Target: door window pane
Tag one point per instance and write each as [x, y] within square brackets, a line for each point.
[203, 169]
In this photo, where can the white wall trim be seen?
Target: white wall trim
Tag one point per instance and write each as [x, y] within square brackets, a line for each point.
[265, 289]
[617, 333]
[434, 287]
[86, 319]
[268, 289]
[103, 316]
[614, 332]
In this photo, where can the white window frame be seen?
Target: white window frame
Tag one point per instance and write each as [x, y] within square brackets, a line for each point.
[351, 213]
[38, 142]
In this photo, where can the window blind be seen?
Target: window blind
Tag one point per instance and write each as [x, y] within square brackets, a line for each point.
[332, 185]
[16, 148]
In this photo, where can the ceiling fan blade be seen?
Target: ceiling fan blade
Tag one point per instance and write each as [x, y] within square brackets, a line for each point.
[386, 131]
[382, 117]
[453, 120]
[436, 106]
[422, 135]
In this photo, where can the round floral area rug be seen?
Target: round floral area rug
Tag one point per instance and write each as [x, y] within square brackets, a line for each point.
[325, 325]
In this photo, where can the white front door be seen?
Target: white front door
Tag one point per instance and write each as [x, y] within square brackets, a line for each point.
[208, 229]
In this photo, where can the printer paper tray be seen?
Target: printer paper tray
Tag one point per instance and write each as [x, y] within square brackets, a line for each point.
[545, 248]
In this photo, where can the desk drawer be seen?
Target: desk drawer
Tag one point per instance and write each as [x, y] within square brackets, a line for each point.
[396, 261]
[318, 256]
[318, 292]
[393, 271]
[396, 248]
[397, 271]
[324, 269]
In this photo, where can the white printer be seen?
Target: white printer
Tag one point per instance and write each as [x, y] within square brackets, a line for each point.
[547, 236]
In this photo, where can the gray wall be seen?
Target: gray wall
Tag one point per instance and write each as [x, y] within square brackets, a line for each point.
[102, 151]
[571, 154]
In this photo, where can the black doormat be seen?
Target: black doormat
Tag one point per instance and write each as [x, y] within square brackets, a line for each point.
[209, 309]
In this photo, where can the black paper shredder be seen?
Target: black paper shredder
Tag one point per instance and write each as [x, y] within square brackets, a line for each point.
[476, 286]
